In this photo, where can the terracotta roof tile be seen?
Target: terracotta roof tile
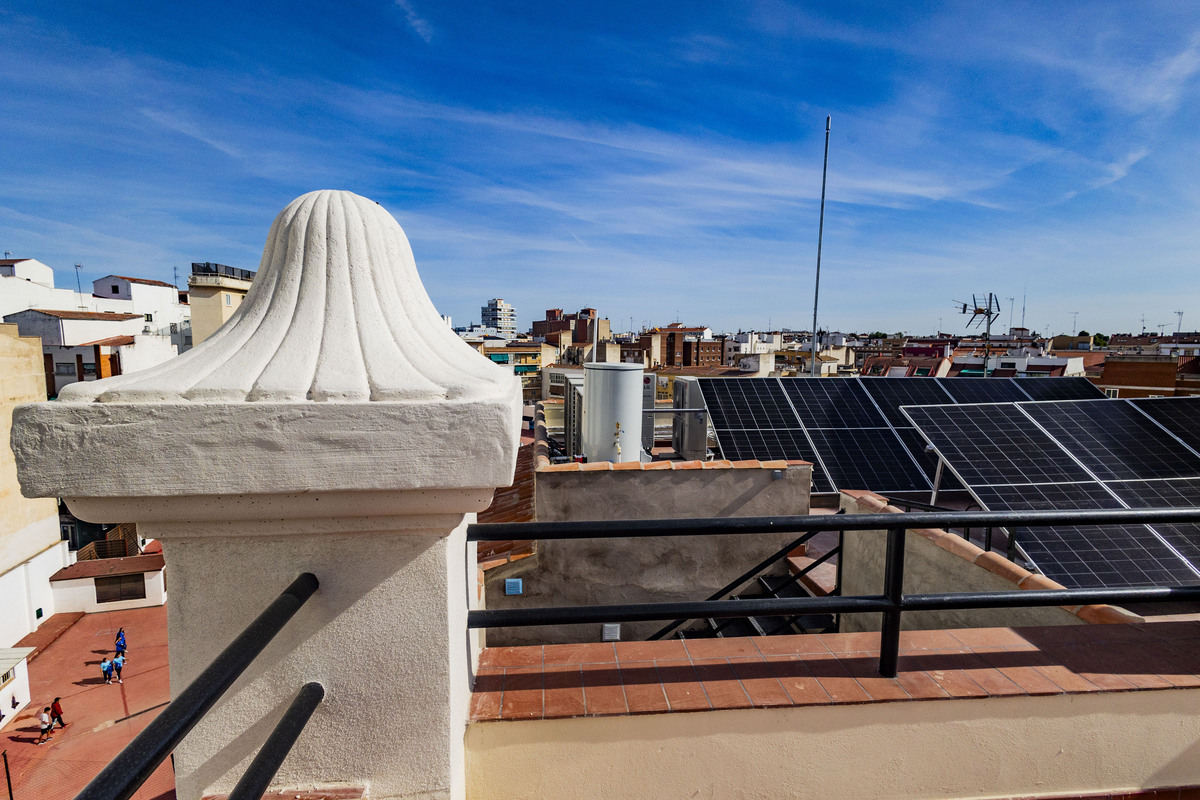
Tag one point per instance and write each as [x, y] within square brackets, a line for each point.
[92, 315]
[109, 567]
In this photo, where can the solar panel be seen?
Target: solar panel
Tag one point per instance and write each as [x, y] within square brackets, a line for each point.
[891, 393]
[868, 458]
[1186, 541]
[1179, 415]
[994, 444]
[832, 403]
[747, 404]
[1090, 556]
[1046, 497]
[982, 390]
[765, 445]
[1158, 494]
[916, 445]
[1114, 441]
[1059, 388]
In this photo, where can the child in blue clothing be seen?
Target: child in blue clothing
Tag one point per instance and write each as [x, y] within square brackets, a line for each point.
[120, 642]
[119, 662]
[106, 667]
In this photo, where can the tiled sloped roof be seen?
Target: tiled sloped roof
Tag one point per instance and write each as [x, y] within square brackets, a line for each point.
[510, 504]
[112, 341]
[146, 281]
[110, 316]
[109, 567]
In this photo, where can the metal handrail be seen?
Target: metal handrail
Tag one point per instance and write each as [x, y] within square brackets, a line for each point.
[892, 603]
[262, 769]
[636, 528]
[133, 765]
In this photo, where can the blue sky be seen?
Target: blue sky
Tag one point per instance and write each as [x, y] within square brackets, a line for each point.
[654, 160]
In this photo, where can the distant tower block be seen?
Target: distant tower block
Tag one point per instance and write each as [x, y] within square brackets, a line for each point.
[501, 316]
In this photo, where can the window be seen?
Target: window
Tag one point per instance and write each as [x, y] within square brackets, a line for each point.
[61, 368]
[228, 299]
[149, 318]
[1113, 393]
[122, 587]
[8, 676]
[116, 289]
[89, 368]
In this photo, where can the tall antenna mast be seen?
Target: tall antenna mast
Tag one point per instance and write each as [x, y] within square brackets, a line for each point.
[1024, 294]
[79, 287]
[1179, 327]
[820, 236]
[1010, 313]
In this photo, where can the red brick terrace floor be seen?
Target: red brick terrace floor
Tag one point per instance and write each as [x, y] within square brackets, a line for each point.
[101, 719]
[603, 679]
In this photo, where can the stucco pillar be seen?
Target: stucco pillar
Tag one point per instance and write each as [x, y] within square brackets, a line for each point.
[334, 425]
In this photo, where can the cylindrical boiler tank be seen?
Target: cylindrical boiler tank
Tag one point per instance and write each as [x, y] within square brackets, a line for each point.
[612, 412]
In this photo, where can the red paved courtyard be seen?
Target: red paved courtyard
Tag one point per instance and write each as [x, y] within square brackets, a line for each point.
[101, 718]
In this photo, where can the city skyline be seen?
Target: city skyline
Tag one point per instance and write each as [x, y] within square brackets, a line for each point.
[653, 163]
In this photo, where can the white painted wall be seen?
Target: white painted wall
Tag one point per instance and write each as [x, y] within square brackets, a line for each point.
[30, 269]
[25, 586]
[78, 331]
[80, 595]
[146, 351]
[17, 688]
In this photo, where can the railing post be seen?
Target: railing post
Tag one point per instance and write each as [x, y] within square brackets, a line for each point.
[333, 425]
[893, 589]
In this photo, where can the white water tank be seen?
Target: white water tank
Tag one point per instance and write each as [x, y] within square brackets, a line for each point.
[612, 412]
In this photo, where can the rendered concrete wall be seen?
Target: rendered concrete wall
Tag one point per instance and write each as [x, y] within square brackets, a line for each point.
[929, 567]
[1064, 745]
[655, 569]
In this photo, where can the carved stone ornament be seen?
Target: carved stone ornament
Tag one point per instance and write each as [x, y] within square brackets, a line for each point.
[336, 373]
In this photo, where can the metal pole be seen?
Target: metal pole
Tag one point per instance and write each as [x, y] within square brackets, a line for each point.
[133, 765]
[7, 777]
[262, 769]
[820, 236]
[893, 589]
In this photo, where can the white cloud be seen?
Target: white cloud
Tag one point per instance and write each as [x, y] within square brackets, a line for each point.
[420, 25]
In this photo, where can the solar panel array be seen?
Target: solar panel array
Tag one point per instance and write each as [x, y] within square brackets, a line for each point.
[851, 429]
[1082, 455]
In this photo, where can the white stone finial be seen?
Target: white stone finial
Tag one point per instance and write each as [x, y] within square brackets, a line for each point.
[337, 313]
[336, 374]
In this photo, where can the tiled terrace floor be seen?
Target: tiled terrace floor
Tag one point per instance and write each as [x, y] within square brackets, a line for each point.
[604, 679]
[101, 718]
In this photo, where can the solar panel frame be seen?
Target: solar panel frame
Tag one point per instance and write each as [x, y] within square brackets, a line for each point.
[1026, 455]
[1047, 388]
[868, 458]
[1178, 415]
[748, 404]
[891, 393]
[982, 390]
[1178, 493]
[1090, 556]
[832, 403]
[1113, 440]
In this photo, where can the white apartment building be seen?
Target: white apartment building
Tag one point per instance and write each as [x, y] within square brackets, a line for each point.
[501, 316]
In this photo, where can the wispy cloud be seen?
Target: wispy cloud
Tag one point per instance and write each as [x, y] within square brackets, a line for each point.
[180, 124]
[419, 24]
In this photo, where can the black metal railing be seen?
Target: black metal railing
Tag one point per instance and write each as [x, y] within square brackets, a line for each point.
[133, 765]
[752, 573]
[892, 603]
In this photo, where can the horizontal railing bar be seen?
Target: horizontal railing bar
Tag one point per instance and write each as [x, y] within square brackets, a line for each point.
[611, 529]
[648, 612]
[133, 765]
[262, 769]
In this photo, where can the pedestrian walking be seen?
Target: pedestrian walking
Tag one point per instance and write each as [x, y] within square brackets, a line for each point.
[118, 663]
[56, 713]
[106, 668]
[46, 724]
[120, 642]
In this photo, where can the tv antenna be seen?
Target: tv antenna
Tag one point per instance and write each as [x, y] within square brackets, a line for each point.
[1074, 321]
[1011, 306]
[79, 287]
[1179, 327]
[983, 313]
[820, 236]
